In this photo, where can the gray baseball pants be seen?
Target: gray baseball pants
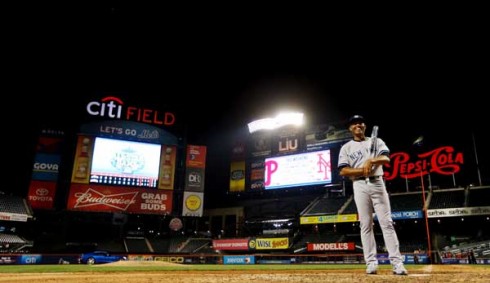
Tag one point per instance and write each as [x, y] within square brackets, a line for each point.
[371, 197]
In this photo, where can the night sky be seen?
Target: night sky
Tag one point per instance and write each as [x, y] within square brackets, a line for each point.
[223, 72]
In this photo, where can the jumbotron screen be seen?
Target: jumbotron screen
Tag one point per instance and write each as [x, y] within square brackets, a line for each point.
[305, 169]
[125, 163]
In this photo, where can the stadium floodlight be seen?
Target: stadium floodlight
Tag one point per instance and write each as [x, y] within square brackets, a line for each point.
[282, 119]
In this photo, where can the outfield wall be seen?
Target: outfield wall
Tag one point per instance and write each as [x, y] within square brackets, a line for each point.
[19, 259]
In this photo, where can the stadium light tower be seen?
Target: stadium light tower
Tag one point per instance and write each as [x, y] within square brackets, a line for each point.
[282, 119]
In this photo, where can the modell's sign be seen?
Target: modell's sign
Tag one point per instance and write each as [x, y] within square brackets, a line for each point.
[344, 246]
[442, 160]
[114, 108]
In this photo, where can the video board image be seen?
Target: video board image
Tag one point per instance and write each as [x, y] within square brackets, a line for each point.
[305, 169]
[125, 163]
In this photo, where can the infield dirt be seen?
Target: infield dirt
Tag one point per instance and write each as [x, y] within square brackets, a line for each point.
[429, 273]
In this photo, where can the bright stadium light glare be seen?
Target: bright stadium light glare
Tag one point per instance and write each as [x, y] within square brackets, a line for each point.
[282, 119]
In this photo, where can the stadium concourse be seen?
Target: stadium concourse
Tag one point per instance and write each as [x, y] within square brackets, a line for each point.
[13, 211]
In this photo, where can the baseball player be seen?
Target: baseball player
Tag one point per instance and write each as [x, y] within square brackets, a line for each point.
[366, 172]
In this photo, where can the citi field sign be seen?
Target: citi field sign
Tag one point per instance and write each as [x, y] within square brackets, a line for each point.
[114, 108]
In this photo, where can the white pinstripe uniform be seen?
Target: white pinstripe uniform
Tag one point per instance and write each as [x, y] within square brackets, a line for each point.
[371, 197]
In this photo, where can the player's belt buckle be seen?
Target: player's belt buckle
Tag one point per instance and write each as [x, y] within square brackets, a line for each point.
[371, 178]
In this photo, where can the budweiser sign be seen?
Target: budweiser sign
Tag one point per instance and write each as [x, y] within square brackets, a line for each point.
[92, 198]
[85, 197]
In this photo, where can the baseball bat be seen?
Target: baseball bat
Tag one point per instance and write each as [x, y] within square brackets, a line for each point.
[374, 145]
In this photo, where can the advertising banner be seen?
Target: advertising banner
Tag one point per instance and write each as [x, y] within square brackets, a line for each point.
[193, 204]
[409, 214]
[7, 216]
[324, 137]
[444, 160]
[45, 170]
[271, 243]
[260, 144]
[41, 194]
[194, 179]
[241, 259]
[238, 151]
[257, 175]
[167, 167]
[237, 176]
[287, 142]
[46, 167]
[325, 247]
[83, 155]
[337, 218]
[458, 211]
[231, 244]
[123, 114]
[102, 198]
[49, 145]
[196, 156]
